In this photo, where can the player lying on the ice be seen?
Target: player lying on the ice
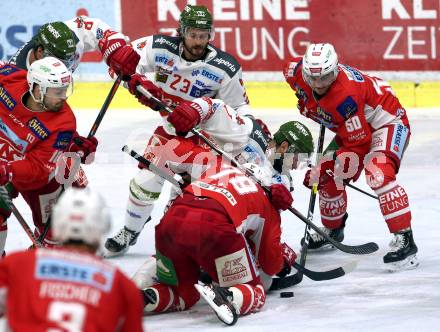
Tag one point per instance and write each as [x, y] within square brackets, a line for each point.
[372, 131]
[225, 224]
[242, 137]
[292, 139]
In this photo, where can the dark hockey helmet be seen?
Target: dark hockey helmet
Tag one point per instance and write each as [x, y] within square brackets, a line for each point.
[297, 135]
[196, 17]
[58, 41]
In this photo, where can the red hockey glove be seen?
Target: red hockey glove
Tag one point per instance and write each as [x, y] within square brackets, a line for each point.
[264, 127]
[185, 117]
[119, 55]
[85, 148]
[289, 257]
[318, 174]
[280, 197]
[5, 173]
[141, 80]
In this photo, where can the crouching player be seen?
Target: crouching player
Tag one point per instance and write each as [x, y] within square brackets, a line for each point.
[223, 223]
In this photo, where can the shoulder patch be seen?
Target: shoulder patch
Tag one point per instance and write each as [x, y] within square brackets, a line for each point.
[6, 99]
[8, 70]
[352, 73]
[166, 42]
[225, 62]
[347, 108]
[63, 140]
[38, 128]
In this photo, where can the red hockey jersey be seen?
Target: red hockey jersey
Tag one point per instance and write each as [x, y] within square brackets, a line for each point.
[355, 105]
[61, 290]
[31, 141]
[249, 208]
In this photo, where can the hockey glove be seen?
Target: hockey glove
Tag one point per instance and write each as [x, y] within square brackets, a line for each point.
[289, 257]
[5, 173]
[119, 55]
[280, 197]
[85, 148]
[141, 80]
[264, 127]
[318, 175]
[185, 117]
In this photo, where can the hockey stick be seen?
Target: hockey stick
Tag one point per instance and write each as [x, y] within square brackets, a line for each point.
[4, 195]
[105, 106]
[292, 280]
[92, 133]
[332, 174]
[277, 283]
[297, 277]
[362, 249]
[153, 168]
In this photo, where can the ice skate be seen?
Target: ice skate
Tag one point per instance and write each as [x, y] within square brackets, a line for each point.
[402, 255]
[220, 300]
[317, 242]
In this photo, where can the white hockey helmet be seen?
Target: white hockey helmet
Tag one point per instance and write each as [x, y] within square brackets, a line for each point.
[320, 62]
[53, 78]
[80, 215]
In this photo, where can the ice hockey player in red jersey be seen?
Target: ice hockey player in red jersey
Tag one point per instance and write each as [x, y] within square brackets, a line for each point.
[70, 288]
[372, 133]
[68, 41]
[36, 127]
[185, 67]
[223, 223]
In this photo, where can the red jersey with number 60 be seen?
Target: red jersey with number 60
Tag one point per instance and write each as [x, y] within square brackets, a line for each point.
[355, 105]
[61, 290]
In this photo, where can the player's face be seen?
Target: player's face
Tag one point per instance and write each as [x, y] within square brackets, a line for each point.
[55, 98]
[195, 42]
[280, 158]
[321, 84]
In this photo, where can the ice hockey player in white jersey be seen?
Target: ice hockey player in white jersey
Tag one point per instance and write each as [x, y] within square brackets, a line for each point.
[69, 40]
[185, 67]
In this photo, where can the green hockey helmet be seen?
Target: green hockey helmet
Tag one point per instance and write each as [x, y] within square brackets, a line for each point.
[58, 41]
[196, 17]
[297, 135]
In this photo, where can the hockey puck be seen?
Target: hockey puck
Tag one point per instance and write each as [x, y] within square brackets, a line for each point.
[286, 294]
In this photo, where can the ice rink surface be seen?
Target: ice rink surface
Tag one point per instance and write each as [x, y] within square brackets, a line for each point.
[367, 299]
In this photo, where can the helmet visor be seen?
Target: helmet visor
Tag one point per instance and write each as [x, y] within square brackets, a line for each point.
[60, 93]
[324, 80]
[68, 62]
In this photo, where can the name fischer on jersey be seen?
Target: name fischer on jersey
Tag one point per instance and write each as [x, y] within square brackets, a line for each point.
[69, 292]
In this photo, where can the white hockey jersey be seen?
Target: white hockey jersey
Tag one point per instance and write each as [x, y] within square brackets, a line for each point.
[218, 75]
[89, 31]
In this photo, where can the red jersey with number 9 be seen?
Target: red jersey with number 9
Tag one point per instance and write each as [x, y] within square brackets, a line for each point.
[61, 290]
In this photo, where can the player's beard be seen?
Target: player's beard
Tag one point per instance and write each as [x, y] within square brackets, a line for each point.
[196, 51]
[53, 107]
